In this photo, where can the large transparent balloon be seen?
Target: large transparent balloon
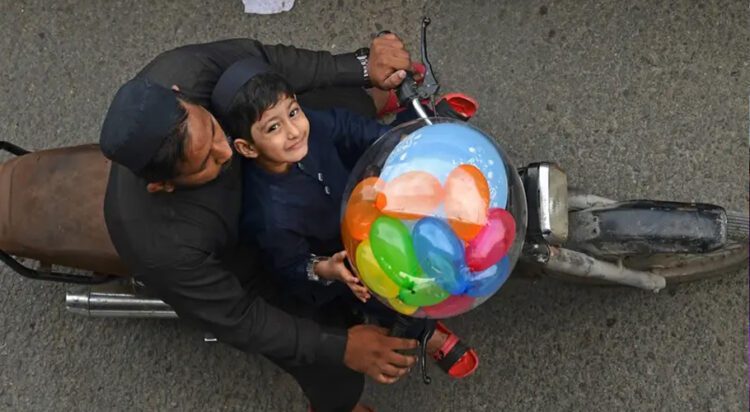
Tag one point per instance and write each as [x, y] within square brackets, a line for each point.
[433, 218]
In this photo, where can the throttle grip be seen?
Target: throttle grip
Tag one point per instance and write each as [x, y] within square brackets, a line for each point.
[407, 90]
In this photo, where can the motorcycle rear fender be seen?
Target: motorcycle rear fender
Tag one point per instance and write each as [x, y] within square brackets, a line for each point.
[644, 227]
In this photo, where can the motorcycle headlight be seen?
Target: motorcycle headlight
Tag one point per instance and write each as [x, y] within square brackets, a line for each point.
[547, 196]
[553, 197]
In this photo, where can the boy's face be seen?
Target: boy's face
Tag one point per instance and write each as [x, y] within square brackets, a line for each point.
[279, 136]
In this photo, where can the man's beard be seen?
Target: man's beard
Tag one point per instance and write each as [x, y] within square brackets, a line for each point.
[226, 166]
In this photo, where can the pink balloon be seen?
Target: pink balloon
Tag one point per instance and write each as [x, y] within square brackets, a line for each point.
[492, 242]
[454, 305]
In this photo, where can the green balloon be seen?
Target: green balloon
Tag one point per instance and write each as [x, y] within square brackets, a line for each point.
[425, 292]
[392, 246]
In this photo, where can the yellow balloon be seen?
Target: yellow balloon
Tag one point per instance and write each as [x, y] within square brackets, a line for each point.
[371, 273]
[402, 307]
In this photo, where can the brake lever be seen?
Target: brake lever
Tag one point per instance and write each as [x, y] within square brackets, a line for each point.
[409, 92]
[430, 86]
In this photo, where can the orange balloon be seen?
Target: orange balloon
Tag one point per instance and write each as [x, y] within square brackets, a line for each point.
[360, 208]
[467, 199]
[350, 244]
[411, 195]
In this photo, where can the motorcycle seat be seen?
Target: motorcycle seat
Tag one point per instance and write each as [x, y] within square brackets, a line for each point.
[51, 209]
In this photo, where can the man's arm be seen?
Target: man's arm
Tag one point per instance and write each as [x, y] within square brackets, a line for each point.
[202, 290]
[199, 288]
[196, 68]
[383, 65]
[306, 69]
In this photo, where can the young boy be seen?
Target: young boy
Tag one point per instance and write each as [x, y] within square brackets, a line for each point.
[295, 168]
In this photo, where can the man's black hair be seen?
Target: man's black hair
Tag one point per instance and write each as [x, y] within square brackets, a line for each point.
[257, 95]
[163, 166]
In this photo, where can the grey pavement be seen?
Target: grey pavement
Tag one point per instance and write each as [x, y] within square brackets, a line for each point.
[635, 99]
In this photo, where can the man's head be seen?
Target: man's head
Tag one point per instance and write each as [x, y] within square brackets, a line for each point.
[267, 124]
[163, 137]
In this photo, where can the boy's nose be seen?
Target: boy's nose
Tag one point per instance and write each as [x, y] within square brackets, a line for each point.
[293, 131]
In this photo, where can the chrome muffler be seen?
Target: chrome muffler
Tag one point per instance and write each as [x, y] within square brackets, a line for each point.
[116, 300]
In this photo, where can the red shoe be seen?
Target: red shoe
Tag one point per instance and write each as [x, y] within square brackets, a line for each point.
[454, 357]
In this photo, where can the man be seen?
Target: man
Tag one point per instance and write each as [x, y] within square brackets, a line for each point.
[173, 200]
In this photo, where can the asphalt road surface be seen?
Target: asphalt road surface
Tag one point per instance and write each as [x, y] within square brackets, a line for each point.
[636, 99]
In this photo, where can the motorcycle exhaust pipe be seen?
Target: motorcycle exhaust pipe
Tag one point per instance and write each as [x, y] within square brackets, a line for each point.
[116, 305]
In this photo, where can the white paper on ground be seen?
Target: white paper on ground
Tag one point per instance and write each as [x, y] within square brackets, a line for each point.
[267, 6]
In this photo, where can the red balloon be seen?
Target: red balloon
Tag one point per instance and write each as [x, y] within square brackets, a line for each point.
[492, 242]
[454, 305]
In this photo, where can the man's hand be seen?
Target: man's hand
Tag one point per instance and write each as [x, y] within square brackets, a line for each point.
[371, 351]
[388, 61]
[335, 269]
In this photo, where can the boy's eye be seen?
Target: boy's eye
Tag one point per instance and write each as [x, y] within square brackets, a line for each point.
[273, 127]
[293, 112]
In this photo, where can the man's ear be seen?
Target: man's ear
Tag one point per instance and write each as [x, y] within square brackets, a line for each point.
[163, 186]
[245, 148]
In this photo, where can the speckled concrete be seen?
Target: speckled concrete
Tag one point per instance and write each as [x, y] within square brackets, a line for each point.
[634, 99]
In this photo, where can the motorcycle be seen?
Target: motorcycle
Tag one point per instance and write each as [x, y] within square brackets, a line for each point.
[571, 235]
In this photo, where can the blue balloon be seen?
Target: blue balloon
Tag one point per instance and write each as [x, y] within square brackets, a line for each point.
[440, 254]
[441, 147]
[488, 281]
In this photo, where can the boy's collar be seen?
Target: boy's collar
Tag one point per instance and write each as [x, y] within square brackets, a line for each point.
[311, 163]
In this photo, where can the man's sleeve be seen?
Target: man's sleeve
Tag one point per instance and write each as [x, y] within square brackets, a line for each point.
[307, 69]
[196, 68]
[351, 133]
[200, 289]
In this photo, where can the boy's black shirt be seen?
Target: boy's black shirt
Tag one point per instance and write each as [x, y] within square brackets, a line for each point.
[183, 245]
[292, 215]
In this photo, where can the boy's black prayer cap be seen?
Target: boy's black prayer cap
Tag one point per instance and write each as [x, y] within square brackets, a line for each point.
[140, 118]
[232, 80]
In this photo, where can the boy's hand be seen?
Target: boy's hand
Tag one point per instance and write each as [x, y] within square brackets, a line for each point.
[335, 269]
[346, 276]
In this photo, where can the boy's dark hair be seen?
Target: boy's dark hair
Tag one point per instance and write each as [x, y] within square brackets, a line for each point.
[255, 97]
[163, 166]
